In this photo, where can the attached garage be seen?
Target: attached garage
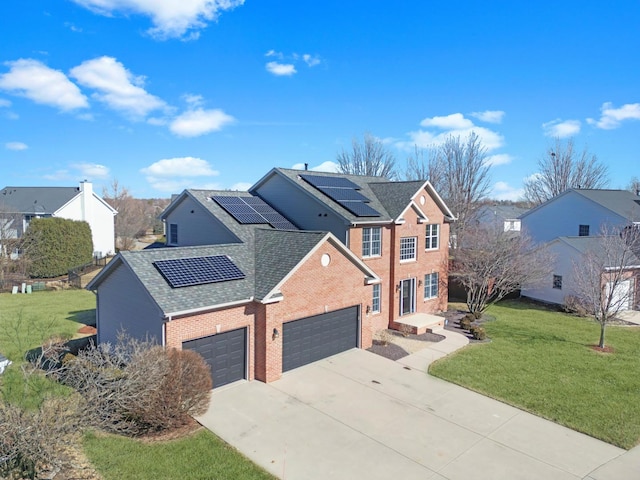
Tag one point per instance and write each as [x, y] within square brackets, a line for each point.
[622, 297]
[314, 338]
[226, 354]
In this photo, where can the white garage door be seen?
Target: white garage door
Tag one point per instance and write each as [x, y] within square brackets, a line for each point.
[621, 298]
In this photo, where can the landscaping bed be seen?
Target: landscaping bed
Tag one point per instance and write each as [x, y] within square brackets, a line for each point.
[395, 345]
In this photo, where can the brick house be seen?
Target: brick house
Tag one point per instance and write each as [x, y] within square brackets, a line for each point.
[367, 255]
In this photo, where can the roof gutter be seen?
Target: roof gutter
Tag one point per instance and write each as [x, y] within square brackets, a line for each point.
[181, 313]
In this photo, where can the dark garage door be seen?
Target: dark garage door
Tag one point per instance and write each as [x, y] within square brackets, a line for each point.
[225, 353]
[313, 338]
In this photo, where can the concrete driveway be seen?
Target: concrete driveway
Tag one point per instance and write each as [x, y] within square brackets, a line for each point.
[358, 415]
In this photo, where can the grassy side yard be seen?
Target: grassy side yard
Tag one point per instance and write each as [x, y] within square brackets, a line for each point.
[199, 456]
[541, 361]
[27, 320]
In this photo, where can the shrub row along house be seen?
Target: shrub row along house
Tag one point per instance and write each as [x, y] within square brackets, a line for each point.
[302, 266]
[572, 225]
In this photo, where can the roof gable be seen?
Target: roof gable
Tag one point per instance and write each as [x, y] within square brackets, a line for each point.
[36, 200]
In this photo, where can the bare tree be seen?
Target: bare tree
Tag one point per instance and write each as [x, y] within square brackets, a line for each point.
[371, 157]
[494, 263]
[563, 168]
[131, 218]
[634, 185]
[458, 171]
[603, 276]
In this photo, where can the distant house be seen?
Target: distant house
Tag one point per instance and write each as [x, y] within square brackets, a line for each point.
[507, 216]
[300, 267]
[581, 212]
[19, 205]
[570, 225]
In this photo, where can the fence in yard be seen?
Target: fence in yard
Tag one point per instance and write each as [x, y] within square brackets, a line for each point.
[76, 273]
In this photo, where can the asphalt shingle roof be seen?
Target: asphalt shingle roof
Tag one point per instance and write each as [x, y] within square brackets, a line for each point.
[489, 213]
[622, 202]
[36, 200]
[395, 196]
[594, 244]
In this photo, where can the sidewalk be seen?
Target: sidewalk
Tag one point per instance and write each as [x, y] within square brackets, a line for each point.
[423, 358]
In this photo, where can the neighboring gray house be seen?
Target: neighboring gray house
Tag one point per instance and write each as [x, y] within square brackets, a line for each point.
[578, 212]
[508, 216]
[19, 205]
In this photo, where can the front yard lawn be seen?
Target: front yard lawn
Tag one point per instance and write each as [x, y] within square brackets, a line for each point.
[542, 361]
[201, 455]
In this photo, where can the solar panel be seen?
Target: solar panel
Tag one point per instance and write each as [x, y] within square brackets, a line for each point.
[360, 209]
[319, 181]
[186, 272]
[252, 210]
[340, 194]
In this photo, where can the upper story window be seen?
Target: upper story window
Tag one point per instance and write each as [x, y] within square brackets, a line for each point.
[173, 234]
[583, 230]
[557, 282]
[371, 241]
[433, 237]
[408, 248]
[431, 285]
[375, 300]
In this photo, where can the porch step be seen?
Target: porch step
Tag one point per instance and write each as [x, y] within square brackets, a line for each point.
[419, 323]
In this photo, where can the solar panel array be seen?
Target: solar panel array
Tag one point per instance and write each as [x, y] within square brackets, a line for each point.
[344, 192]
[253, 210]
[187, 272]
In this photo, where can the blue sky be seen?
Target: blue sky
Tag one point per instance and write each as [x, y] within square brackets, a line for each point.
[169, 94]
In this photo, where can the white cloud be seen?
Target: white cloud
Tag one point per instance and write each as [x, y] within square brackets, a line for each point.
[311, 60]
[193, 100]
[171, 18]
[117, 87]
[4, 103]
[280, 69]
[193, 123]
[455, 121]
[612, 117]
[34, 80]
[489, 116]
[91, 170]
[498, 159]
[180, 167]
[273, 53]
[58, 175]
[561, 129]
[504, 191]
[176, 174]
[17, 146]
[241, 186]
[327, 166]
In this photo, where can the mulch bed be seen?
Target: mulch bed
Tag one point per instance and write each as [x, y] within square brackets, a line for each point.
[453, 324]
[87, 330]
[388, 350]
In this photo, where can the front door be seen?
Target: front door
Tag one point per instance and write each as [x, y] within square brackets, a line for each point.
[407, 296]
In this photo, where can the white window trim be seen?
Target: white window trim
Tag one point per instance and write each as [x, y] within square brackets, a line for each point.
[427, 242]
[437, 285]
[371, 243]
[373, 308]
[412, 290]
[415, 250]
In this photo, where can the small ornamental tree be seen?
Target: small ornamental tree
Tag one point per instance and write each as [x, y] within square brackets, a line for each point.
[57, 244]
[493, 263]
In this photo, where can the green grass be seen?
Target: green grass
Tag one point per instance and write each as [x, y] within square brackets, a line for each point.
[26, 321]
[541, 361]
[201, 455]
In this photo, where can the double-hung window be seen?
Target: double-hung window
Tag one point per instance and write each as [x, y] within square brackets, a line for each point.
[431, 285]
[371, 241]
[432, 236]
[173, 234]
[557, 282]
[583, 230]
[407, 249]
[375, 300]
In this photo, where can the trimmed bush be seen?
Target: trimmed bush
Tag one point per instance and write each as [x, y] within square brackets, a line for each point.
[55, 245]
[465, 323]
[478, 332]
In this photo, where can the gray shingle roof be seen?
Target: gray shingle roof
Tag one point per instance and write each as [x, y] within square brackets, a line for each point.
[265, 262]
[621, 202]
[35, 200]
[593, 244]
[395, 196]
[489, 213]
[277, 253]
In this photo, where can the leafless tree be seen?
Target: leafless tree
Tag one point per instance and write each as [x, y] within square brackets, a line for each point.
[634, 185]
[493, 263]
[371, 157]
[562, 168]
[458, 171]
[131, 217]
[601, 274]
